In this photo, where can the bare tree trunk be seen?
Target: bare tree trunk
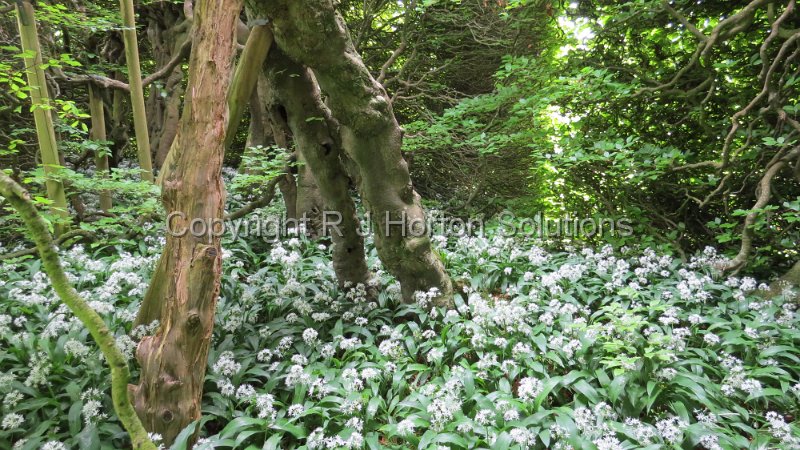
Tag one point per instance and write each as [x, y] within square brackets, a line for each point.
[314, 132]
[309, 198]
[42, 115]
[259, 129]
[98, 133]
[313, 33]
[137, 92]
[185, 285]
[305, 193]
[119, 131]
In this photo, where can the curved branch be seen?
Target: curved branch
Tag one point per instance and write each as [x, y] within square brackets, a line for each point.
[111, 83]
[163, 72]
[764, 196]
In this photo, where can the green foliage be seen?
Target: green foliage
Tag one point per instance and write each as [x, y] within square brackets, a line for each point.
[603, 139]
[259, 165]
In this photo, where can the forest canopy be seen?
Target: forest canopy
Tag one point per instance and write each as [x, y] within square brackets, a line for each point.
[399, 224]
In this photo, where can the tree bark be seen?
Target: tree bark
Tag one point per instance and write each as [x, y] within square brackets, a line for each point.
[309, 198]
[315, 137]
[263, 132]
[119, 131]
[259, 129]
[313, 33]
[42, 114]
[185, 285]
[98, 133]
[137, 92]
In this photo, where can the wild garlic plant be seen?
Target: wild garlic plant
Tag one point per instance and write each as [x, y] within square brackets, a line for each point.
[547, 347]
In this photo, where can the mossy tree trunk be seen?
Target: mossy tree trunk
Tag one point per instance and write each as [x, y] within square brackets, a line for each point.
[246, 76]
[42, 114]
[314, 131]
[314, 34]
[305, 194]
[309, 198]
[185, 286]
[137, 91]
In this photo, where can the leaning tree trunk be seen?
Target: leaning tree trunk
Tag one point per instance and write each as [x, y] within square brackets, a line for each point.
[313, 33]
[185, 285]
[42, 115]
[246, 76]
[313, 129]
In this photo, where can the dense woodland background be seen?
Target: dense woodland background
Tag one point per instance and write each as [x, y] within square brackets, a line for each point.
[680, 117]
[586, 108]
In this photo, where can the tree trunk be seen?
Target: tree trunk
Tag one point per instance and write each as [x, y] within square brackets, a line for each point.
[119, 131]
[309, 198]
[281, 132]
[166, 30]
[288, 187]
[137, 92]
[313, 33]
[259, 129]
[305, 193]
[316, 140]
[185, 285]
[98, 133]
[42, 114]
[246, 76]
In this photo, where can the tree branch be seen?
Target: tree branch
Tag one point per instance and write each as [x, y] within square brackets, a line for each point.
[264, 200]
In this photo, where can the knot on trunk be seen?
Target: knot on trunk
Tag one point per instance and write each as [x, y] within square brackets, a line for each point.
[407, 193]
[193, 322]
